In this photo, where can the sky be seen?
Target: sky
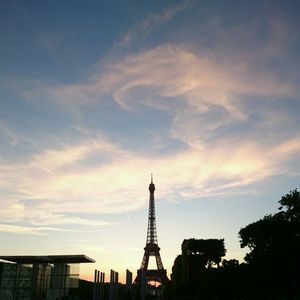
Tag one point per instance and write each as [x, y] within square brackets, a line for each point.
[97, 95]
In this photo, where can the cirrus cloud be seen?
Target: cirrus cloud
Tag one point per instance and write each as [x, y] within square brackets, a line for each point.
[44, 197]
[204, 97]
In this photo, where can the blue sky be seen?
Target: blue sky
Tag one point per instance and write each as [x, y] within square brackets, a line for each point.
[96, 95]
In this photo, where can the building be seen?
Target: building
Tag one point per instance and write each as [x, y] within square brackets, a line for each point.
[53, 277]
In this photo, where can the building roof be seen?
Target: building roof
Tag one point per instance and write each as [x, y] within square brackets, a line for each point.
[71, 259]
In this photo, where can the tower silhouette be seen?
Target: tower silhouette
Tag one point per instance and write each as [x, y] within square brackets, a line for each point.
[151, 249]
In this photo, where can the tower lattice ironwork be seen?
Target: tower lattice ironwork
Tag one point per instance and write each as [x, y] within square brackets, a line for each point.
[152, 248]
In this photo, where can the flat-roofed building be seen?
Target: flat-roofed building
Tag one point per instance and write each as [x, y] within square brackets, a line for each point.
[51, 277]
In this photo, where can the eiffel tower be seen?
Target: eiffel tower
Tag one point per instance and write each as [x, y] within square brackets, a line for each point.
[151, 249]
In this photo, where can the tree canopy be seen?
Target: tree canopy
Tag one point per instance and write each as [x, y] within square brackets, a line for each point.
[271, 269]
[210, 251]
[274, 243]
[275, 235]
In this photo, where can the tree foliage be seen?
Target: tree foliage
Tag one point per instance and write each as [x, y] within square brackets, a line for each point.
[271, 269]
[209, 251]
[290, 204]
[274, 235]
[274, 244]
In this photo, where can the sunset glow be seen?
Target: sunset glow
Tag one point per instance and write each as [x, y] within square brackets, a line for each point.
[95, 97]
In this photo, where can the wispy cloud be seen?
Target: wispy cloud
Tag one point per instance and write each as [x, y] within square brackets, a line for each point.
[29, 230]
[152, 21]
[13, 137]
[173, 71]
[50, 198]
[204, 95]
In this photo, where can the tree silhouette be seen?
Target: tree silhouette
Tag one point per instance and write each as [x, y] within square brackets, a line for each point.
[271, 269]
[193, 273]
[274, 244]
[208, 251]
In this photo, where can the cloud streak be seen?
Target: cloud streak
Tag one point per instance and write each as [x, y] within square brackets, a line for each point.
[30, 230]
[151, 22]
[203, 95]
[51, 198]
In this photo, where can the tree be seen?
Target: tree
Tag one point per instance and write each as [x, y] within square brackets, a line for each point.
[274, 244]
[193, 273]
[209, 251]
[290, 204]
[177, 278]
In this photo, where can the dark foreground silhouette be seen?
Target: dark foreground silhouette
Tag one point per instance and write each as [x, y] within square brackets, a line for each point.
[271, 269]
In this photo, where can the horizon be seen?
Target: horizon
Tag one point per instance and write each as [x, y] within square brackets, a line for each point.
[96, 96]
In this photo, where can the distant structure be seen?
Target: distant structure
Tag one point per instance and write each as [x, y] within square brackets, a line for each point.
[99, 283]
[144, 275]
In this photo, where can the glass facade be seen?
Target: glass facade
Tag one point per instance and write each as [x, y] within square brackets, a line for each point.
[16, 281]
[38, 281]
